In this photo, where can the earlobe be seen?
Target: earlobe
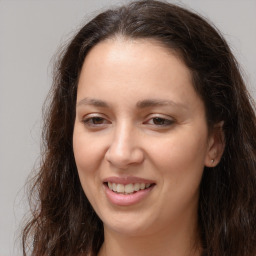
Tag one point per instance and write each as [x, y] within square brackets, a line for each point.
[216, 145]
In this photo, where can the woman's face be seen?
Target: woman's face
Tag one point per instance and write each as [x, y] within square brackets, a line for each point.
[140, 130]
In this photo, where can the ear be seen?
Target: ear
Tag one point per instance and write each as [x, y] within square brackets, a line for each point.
[216, 145]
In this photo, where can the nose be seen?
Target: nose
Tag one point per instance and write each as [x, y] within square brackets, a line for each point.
[124, 149]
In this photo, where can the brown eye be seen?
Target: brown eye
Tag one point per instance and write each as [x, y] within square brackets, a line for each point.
[161, 121]
[95, 121]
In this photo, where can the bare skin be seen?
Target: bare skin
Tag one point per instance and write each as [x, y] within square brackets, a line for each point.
[139, 117]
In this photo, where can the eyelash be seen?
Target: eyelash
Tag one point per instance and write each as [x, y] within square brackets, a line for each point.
[98, 122]
[92, 121]
[163, 121]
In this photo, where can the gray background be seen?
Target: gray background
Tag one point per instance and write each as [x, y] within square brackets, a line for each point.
[30, 33]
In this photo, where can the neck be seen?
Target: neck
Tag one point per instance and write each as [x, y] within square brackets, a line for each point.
[180, 241]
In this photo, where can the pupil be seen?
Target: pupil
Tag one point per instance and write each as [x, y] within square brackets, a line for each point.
[159, 121]
[97, 120]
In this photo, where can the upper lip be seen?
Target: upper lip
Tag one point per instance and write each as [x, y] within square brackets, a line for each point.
[127, 180]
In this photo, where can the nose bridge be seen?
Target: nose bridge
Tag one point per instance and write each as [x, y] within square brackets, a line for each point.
[122, 138]
[124, 147]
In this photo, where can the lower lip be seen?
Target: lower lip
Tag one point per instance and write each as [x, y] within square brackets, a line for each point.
[127, 199]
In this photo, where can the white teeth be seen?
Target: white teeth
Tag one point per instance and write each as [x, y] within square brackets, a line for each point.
[129, 188]
[136, 186]
[110, 185]
[120, 188]
[114, 187]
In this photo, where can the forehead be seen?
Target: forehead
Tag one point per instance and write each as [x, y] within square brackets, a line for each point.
[130, 55]
[119, 47]
[138, 69]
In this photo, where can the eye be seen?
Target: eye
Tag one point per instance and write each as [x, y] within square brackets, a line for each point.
[160, 121]
[95, 121]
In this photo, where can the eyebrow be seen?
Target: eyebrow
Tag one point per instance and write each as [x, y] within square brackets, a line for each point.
[158, 102]
[93, 102]
[140, 104]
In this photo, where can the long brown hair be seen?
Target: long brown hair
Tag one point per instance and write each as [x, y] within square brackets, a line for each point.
[63, 221]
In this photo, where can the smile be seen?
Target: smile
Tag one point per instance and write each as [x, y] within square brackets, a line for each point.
[129, 193]
[128, 188]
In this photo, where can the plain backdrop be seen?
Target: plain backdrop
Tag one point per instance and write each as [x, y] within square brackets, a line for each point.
[30, 34]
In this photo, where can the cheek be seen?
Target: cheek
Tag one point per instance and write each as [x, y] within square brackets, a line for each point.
[180, 154]
[179, 161]
[88, 156]
[88, 153]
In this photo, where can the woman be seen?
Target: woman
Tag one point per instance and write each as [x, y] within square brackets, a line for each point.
[149, 142]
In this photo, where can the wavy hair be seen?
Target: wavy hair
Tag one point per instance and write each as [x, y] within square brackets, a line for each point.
[63, 221]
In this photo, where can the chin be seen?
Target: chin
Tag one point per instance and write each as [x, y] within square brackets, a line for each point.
[129, 225]
[128, 230]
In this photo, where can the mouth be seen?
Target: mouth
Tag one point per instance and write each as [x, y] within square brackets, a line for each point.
[127, 189]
